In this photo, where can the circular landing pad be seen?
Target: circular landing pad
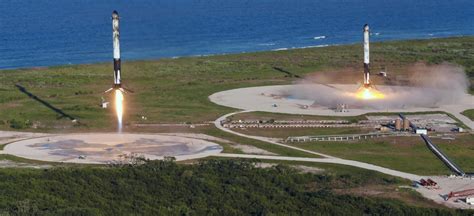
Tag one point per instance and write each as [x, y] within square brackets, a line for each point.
[109, 147]
[322, 99]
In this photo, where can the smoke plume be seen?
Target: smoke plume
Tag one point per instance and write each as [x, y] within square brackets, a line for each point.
[424, 86]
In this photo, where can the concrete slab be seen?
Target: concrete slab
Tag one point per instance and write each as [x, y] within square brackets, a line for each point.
[101, 148]
[447, 185]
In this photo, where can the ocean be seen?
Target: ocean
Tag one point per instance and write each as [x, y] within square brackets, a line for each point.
[35, 33]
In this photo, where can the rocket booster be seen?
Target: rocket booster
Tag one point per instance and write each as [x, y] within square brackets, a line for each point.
[116, 42]
[366, 56]
[117, 62]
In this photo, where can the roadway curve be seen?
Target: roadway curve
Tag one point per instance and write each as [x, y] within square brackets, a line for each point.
[218, 124]
[326, 158]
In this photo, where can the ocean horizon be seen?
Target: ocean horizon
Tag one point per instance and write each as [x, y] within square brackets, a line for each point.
[55, 32]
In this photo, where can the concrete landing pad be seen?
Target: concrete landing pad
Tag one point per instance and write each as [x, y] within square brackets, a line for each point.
[104, 148]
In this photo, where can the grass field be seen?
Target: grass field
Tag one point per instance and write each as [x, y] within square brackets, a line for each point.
[408, 154]
[469, 113]
[259, 144]
[176, 90]
[265, 116]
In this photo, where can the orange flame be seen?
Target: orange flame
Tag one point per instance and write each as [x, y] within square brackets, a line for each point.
[369, 93]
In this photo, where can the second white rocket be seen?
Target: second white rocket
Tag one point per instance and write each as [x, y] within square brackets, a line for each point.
[366, 56]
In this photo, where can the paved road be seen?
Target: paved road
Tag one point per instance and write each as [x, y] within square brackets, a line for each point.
[218, 124]
[325, 159]
[456, 112]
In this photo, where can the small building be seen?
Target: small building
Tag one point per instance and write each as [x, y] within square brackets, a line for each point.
[470, 200]
[423, 131]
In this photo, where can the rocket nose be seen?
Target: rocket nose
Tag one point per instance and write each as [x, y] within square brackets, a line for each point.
[366, 27]
[115, 15]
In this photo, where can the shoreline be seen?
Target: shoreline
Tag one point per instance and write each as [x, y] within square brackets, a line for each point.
[279, 49]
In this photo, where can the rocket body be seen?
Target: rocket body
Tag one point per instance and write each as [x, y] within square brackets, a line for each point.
[116, 44]
[117, 62]
[366, 56]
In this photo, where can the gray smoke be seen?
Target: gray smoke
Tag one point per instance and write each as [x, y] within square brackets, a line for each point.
[423, 86]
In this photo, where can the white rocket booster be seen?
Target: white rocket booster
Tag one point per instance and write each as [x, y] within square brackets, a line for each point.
[366, 56]
[117, 62]
[116, 42]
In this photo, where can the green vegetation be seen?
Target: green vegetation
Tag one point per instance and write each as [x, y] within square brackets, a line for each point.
[283, 151]
[459, 150]
[266, 116]
[408, 154]
[363, 181]
[469, 113]
[360, 176]
[177, 90]
[216, 187]
[15, 124]
[24, 160]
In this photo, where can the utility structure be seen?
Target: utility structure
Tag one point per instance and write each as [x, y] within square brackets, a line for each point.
[117, 85]
[444, 158]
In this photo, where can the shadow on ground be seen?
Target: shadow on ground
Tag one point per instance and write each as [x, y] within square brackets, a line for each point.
[48, 105]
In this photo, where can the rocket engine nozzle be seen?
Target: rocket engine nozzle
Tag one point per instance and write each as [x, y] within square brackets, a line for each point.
[120, 88]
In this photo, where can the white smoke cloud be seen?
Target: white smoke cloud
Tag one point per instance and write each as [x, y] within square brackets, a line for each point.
[426, 86]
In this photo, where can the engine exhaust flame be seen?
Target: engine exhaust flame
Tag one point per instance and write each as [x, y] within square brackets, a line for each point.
[369, 93]
[119, 108]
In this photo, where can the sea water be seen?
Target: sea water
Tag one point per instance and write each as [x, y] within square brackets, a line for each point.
[59, 32]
